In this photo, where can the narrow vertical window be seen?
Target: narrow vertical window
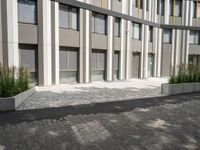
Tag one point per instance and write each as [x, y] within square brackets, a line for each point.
[64, 16]
[117, 27]
[178, 8]
[167, 37]
[98, 23]
[68, 17]
[27, 11]
[194, 37]
[74, 19]
[150, 34]
[136, 31]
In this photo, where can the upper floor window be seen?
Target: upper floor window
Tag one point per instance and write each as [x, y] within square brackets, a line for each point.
[136, 31]
[194, 37]
[138, 3]
[175, 8]
[98, 23]
[161, 6]
[195, 12]
[150, 34]
[117, 27]
[27, 11]
[68, 17]
[167, 37]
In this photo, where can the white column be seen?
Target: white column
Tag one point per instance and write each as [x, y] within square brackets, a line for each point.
[87, 47]
[166, 17]
[110, 50]
[145, 52]
[128, 51]
[142, 52]
[190, 13]
[187, 12]
[173, 50]
[150, 6]
[159, 51]
[144, 10]
[187, 46]
[177, 49]
[123, 48]
[44, 44]
[155, 48]
[55, 42]
[1, 44]
[10, 33]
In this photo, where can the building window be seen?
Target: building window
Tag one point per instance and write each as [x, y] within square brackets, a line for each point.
[68, 17]
[178, 8]
[98, 23]
[195, 14]
[27, 11]
[194, 37]
[160, 5]
[117, 27]
[150, 34]
[136, 31]
[167, 37]
[28, 58]
[138, 3]
[147, 5]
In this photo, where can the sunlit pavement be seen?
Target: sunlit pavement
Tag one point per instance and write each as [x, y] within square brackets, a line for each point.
[96, 92]
[152, 124]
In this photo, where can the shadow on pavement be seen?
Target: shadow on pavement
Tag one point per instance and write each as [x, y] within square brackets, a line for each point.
[108, 107]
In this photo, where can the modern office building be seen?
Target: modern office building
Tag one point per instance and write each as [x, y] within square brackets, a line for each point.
[64, 41]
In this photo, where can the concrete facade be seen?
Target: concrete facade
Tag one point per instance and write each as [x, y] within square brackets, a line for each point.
[48, 36]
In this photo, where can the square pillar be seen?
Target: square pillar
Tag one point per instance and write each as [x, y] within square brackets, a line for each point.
[10, 32]
[110, 49]
[85, 46]
[145, 52]
[44, 43]
[1, 44]
[55, 42]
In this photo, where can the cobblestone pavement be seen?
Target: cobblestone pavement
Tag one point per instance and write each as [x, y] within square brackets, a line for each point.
[164, 123]
[97, 92]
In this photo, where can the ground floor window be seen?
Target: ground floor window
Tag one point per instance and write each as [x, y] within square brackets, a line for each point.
[98, 64]
[150, 64]
[136, 65]
[194, 59]
[68, 62]
[116, 64]
[28, 56]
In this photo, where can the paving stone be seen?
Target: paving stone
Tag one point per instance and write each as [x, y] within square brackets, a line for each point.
[97, 92]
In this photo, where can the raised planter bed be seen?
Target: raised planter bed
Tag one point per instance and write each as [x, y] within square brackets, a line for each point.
[181, 88]
[12, 103]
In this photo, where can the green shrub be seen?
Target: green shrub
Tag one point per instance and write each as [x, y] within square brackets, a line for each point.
[13, 81]
[185, 74]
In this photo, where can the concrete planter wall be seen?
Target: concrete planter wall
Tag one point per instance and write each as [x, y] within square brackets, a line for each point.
[12, 103]
[181, 88]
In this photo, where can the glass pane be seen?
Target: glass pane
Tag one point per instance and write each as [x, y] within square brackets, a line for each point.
[64, 17]
[93, 22]
[191, 37]
[136, 31]
[63, 60]
[68, 76]
[117, 27]
[100, 24]
[167, 36]
[27, 11]
[150, 34]
[74, 12]
[28, 59]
